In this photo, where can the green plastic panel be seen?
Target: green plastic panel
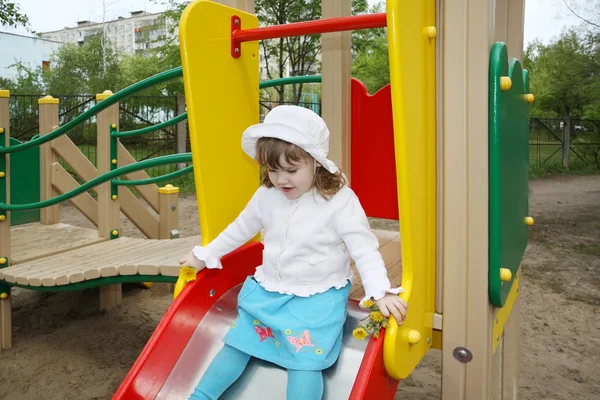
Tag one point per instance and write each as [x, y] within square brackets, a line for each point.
[508, 170]
[24, 183]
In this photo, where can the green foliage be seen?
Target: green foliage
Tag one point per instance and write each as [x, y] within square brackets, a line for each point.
[372, 65]
[564, 75]
[370, 62]
[11, 16]
[83, 69]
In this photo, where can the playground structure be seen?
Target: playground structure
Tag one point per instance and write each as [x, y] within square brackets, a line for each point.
[42, 254]
[461, 276]
[460, 194]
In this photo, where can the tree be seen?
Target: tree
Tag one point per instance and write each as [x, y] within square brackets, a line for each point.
[586, 11]
[10, 15]
[81, 69]
[372, 66]
[564, 76]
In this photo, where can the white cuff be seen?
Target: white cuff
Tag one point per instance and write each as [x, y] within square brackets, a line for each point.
[212, 262]
[379, 295]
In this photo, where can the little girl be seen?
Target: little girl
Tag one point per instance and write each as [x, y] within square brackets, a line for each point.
[292, 311]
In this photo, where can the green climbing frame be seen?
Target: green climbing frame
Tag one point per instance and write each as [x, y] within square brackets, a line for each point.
[508, 171]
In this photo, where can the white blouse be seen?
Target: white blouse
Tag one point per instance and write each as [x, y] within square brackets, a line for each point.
[308, 243]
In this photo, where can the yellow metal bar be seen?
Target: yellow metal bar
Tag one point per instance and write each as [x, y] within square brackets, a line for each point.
[222, 100]
[411, 44]
[504, 313]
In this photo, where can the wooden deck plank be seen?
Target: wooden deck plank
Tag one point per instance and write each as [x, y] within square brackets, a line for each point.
[131, 256]
[53, 264]
[70, 261]
[33, 241]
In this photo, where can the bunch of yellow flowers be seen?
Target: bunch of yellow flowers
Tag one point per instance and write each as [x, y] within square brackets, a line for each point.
[372, 324]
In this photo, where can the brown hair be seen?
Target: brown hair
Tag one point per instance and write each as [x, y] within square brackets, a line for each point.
[268, 155]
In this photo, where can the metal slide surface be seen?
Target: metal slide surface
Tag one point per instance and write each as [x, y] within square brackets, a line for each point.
[260, 379]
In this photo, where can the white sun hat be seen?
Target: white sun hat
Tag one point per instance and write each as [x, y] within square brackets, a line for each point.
[293, 124]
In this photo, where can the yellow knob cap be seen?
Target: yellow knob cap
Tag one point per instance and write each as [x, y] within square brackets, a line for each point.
[505, 83]
[2, 174]
[505, 274]
[114, 161]
[414, 337]
[528, 221]
[2, 217]
[3, 260]
[3, 296]
[431, 32]
[114, 197]
[529, 98]
[114, 126]
[1, 131]
[115, 232]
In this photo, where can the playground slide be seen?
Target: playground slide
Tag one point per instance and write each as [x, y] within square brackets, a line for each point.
[190, 334]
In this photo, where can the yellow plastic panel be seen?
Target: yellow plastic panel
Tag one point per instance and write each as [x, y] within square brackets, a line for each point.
[222, 100]
[503, 313]
[412, 74]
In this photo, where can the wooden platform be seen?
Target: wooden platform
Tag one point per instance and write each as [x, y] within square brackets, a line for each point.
[389, 247]
[77, 255]
[123, 256]
[32, 241]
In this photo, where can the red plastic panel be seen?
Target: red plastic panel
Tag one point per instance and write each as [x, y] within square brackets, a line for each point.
[372, 382]
[164, 348]
[372, 159]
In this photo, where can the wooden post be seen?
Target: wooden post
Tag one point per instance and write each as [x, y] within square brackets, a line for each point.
[181, 130]
[567, 140]
[467, 319]
[168, 199]
[109, 224]
[509, 25]
[335, 88]
[48, 117]
[5, 295]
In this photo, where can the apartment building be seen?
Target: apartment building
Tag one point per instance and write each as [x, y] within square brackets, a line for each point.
[140, 32]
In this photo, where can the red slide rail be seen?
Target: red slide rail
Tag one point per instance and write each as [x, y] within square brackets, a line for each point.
[325, 25]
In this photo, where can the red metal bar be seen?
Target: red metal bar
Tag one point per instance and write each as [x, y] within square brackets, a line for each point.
[325, 25]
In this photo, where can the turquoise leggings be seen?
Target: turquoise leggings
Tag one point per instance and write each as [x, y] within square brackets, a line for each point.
[228, 366]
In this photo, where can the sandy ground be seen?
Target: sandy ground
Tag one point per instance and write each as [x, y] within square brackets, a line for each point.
[65, 349]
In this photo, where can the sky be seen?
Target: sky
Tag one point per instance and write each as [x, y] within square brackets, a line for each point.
[544, 19]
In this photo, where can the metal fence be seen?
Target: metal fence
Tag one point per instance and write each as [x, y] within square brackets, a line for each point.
[557, 142]
[549, 144]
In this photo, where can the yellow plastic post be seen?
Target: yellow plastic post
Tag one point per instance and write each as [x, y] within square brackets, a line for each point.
[411, 47]
[222, 99]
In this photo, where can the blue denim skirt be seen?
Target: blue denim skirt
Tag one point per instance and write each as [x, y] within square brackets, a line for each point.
[300, 333]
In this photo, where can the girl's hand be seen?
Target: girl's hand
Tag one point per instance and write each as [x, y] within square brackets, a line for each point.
[392, 304]
[190, 260]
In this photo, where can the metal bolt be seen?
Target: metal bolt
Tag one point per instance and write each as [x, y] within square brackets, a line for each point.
[219, 307]
[428, 340]
[463, 354]
[211, 293]
[236, 21]
[174, 207]
[236, 50]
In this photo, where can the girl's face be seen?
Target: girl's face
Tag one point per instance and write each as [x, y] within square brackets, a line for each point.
[293, 180]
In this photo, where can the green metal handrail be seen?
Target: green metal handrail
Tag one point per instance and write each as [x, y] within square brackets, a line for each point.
[136, 87]
[140, 182]
[290, 81]
[127, 169]
[152, 128]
